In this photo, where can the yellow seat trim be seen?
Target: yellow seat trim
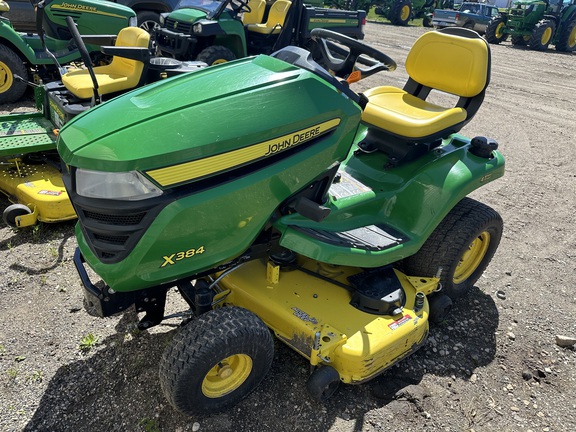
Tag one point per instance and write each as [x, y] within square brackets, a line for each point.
[120, 75]
[397, 111]
[275, 21]
[256, 14]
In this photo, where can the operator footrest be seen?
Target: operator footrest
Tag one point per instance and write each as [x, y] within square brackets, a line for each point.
[369, 238]
[26, 134]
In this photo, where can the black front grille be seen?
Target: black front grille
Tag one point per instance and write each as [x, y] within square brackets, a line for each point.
[177, 26]
[123, 220]
[118, 240]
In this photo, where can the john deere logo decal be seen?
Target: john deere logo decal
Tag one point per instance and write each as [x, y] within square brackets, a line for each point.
[175, 24]
[212, 165]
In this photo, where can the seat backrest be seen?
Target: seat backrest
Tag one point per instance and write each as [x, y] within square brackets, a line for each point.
[256, 14]
[450, 63]
[277, 13]
[130, 37]
[4, 7]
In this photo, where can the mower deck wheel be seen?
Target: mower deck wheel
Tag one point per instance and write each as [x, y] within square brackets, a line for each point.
[12, 212]
[440, 306]
[323, 383]
[216, 360]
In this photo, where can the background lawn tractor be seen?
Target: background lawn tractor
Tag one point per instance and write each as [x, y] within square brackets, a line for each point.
[536, 23]
[31, 168]
[338, 220]
[37, 57]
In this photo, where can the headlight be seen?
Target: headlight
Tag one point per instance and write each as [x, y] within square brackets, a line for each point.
[133, 22]
[163, 17]
[197, 28]
[130, 186]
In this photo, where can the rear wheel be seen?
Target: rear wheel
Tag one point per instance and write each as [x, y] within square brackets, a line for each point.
[215, 55]
[216, 360]
[462, 246]
[567, 38]
[542, 35]
[495, 30]
[11, 89]
[401, 12]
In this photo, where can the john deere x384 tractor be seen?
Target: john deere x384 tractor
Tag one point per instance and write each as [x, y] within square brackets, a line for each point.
[282, 202]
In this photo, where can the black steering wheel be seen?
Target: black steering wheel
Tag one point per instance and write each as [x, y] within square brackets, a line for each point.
[348, 61]
[240, 6]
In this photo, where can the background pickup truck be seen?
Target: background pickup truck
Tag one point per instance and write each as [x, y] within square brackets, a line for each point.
[475, 16]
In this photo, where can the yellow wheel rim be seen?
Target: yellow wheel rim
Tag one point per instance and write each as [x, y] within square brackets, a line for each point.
[6, 77]
[572, 38]
[472, 257]
[546, 36]
[499, 33]
[405, 13]
[227, 376]
[218, 61]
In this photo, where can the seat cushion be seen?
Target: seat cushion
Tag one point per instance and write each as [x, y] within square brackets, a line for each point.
[78, 81]
[396, 111]
[263, 29]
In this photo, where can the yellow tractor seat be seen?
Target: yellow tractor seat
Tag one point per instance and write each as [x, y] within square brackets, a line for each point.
[275, 21]
[455, 61]
[256, 14]
[120, 75]
[4, 7]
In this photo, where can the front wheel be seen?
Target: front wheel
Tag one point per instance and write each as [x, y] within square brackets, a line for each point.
[495, 30]
[11, 65]
[215, 55]
[462, 245]
[216, 360]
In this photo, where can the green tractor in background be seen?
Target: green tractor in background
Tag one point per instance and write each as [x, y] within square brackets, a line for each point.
[398, 12]
[28, 57]
[537, 24]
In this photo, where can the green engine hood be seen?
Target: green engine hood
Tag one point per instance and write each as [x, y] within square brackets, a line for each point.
[187, 15]
[216, 111]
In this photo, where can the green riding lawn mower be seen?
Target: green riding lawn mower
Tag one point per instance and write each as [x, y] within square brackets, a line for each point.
[281, 201]
[38, 57]
[537, 24]
[30, 166]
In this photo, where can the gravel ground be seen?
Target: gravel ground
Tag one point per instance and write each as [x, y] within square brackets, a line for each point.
[493, 365]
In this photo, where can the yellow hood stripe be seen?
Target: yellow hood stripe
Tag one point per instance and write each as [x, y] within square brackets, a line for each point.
[214, 164]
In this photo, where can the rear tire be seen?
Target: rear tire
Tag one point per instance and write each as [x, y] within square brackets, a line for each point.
[567, 38]
[542, 35]
[216, 360]
[494, 30]
[462, 245]
[148, 20]
[215, 55]
[11, 89]
[401, 12]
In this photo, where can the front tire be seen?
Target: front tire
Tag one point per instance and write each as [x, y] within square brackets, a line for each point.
[216, 360]
[215, 55]
[11, 89]
[462, 245]
[148, 21]
[495, 30]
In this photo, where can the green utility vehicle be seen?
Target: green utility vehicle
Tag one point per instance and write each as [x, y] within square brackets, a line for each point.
[223, 30]
[274, 196]
[536, 23]
[36, 57]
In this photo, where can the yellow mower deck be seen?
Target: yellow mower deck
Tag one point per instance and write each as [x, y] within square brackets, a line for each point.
[314, 316]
